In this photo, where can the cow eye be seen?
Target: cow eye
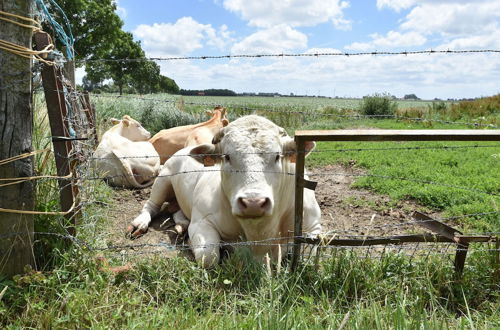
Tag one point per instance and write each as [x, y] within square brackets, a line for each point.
[277, 157]
[227, 158]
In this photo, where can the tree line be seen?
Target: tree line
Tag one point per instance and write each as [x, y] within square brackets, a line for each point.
[98, 34]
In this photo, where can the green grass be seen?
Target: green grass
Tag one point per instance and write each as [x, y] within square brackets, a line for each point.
[70, 291]
[160, 292]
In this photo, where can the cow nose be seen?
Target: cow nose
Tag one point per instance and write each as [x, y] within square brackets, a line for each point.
[253, 207]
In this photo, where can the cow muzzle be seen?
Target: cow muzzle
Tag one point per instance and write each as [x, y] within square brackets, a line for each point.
[253, 207]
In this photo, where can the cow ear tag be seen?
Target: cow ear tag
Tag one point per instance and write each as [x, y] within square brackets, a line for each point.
[208, 161]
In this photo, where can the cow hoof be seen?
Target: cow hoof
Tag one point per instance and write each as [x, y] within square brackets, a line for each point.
[134, 232]
[179, 229]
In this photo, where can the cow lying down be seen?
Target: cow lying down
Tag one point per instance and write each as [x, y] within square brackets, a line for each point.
[248, 194]
[169, 141]
[125, 157]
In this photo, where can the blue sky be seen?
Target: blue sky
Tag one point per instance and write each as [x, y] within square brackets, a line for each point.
[221, 27]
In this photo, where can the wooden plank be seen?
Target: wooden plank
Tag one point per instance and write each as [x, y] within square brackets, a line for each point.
[59, 126]
[399, 135]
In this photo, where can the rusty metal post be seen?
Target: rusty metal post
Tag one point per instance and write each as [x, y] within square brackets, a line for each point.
[59, 126]
[299, 200]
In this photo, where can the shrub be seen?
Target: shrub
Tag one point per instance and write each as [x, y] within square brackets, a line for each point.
[378, 105]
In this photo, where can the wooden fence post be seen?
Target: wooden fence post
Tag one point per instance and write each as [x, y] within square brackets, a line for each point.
[299, 200]
[16, 117]
[59, 126]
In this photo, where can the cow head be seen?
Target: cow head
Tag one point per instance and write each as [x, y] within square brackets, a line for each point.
[218, 113]
[255, 157]
[130, 128]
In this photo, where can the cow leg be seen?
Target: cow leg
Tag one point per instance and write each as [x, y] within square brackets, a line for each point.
[181, 222]
[311, 224]
[204, 242]
[161, 192]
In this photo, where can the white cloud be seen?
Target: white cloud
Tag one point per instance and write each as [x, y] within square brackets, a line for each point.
[264, 13]
[453, 19]
[428, 76]
[393, 39]
[180, 38]
[397, 5]
[273, 40]
[121, 11]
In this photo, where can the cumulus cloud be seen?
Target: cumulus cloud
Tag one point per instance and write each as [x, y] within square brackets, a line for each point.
[273, 40]
[180, 38]
[393, 39]
[453, 19]
[263, 13]
[427, 76]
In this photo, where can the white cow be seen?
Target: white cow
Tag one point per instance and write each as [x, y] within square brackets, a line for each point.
[125, 157]
[248, 194]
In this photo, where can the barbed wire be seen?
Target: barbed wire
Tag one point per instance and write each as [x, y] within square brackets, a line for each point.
[288, 55]
[274, 241]
[290, 153]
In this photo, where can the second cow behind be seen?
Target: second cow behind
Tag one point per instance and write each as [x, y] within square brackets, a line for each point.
[169, 141]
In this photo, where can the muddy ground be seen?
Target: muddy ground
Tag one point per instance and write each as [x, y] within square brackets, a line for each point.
[346, 212]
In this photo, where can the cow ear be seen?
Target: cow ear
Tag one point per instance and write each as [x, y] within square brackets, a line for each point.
[114, 121]
[218, 136]
[290, 149]
[225, 122]
[127, 117]
[126, 122]
[205, 154]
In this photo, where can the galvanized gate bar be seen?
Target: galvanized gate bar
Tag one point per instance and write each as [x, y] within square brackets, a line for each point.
[400, 135]
[376, 135]
[400, 239]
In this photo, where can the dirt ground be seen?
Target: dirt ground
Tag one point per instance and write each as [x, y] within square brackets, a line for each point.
[345, 212]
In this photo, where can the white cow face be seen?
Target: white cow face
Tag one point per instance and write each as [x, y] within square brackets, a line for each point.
[255, 170]
[131, 129]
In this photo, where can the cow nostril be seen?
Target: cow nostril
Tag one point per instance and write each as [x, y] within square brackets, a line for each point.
[265, 203]
[241, 203]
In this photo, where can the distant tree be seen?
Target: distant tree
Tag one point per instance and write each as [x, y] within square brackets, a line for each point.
[168, 85]
[122, 72]
[411, 97]
[146, 79]
[378, 105]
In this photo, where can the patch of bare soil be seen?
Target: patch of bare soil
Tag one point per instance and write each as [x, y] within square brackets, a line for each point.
[345, 212]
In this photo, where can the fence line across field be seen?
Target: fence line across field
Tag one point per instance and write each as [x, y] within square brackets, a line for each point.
[289, 55]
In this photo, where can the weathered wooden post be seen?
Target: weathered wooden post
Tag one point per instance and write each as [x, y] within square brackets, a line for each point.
[16, 117]
[59, 126]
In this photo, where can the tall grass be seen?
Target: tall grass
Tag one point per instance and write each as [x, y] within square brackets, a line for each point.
[389, 293]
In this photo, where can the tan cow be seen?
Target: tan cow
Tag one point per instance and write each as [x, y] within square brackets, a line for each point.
[168, 141]
[125, 157]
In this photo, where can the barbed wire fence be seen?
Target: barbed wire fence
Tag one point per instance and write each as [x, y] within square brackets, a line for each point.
[79, 135]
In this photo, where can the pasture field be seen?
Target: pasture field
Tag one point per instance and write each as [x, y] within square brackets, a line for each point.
[73, 290]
